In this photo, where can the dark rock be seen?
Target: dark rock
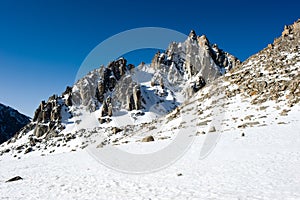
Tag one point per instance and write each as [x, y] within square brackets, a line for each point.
[28, 150]
[102, 120]
[20, 147]
[16, 178]
[67, 91]
[193, 35]
[130, 67]
[199, 84]
[6, 150]
[116, 130]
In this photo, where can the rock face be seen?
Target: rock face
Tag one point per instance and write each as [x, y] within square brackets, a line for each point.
[114, 87]
[273, 73]
[49, 116]
[93, 89]
[291, 30]
[11, 121]
[195, 62]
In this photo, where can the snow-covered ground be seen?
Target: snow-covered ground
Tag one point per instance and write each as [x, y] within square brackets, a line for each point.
[264, 164]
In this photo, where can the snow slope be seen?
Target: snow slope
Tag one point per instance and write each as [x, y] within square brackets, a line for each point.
[262, 165]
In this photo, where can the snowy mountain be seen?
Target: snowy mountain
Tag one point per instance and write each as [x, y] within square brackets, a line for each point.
[193, 97]
[121, 94]
[11, 121]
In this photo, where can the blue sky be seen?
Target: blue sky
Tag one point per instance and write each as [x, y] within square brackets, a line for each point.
[43, 43]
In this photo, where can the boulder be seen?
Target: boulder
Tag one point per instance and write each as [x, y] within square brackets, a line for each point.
[212, 129]
[28, 150]
[116, 130]
[16, 178]
[148, 139]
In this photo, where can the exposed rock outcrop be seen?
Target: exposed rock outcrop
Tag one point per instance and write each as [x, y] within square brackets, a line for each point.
[291, 30]
[49, 116]
[273, 73]
[188, 61]
[108, 79]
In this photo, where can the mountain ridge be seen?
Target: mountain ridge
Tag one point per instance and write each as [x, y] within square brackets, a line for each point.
[175, 81]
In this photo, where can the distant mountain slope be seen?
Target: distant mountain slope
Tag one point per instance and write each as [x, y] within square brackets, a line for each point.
[11, 121]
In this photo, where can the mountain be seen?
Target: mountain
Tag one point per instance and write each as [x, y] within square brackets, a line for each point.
[192, 82]
[121, 94]
[245, 116]
[11, 121]
[247, 120]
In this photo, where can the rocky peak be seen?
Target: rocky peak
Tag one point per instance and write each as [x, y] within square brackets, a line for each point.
[192, 60]
[193, 35]
[291, 29]
[203, 41]
[94, 88]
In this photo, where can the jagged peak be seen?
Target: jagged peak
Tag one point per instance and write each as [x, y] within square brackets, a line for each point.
[203, 41]
[290, 33]
[193, 35]
[290, 29]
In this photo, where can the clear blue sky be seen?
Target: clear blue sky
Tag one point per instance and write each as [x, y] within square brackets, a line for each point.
[43, 43]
